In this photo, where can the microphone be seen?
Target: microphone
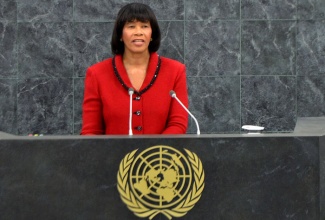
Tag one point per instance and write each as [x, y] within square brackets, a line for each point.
[131, 91]
[173, 95]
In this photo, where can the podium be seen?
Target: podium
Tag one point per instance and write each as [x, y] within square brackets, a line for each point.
[247, 176]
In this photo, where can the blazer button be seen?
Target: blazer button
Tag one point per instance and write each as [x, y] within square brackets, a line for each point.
[138, 113]
[139, 128]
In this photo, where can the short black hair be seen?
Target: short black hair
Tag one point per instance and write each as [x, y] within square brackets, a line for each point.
[131, 12]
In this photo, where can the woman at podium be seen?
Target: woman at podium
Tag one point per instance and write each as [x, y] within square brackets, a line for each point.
[129, 93]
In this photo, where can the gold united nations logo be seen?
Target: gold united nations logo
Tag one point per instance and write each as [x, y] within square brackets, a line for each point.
[160, 180]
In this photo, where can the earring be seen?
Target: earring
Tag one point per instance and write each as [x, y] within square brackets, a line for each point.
[121, 40]
[150, 39]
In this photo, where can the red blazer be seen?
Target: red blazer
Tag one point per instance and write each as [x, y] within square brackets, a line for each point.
[106, 102]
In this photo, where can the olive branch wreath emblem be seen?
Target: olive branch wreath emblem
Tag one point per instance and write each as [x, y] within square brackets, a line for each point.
[180, 209]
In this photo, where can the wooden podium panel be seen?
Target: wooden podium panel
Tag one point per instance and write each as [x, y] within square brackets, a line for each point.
[279, 176]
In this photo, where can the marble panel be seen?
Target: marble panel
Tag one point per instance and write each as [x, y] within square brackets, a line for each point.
[77, 103]
[212, 48]
[172, 40]
[42, 39]
[311, 9]
[167, 9]
[310, 96]
[214, 101]
[44, 10]
[311, 48]
[8, 50]
[261, 9]
[268, 48]
[212, 9]
[97, 10]
[269, 101]
[45, 106]
[8, 10]
[102, 10]
[45, 49]
[8, 106]
[91, 44]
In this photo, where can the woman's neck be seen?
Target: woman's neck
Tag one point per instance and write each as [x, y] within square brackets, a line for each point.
[136, 59]
[136, 67]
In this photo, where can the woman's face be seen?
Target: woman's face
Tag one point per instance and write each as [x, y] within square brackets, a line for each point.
[136, 36]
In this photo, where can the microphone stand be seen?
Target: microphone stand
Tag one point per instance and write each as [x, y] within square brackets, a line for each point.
[173, 95]
[131, 91]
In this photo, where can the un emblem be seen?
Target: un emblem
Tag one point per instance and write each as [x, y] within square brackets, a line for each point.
[160, 180]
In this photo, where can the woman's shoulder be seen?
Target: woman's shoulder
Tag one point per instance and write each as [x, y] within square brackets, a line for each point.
[170, 61]
[172, 66]
[102, 65]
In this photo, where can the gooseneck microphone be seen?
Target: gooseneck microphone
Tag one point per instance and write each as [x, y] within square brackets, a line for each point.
[173, 95]
[131, 91]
